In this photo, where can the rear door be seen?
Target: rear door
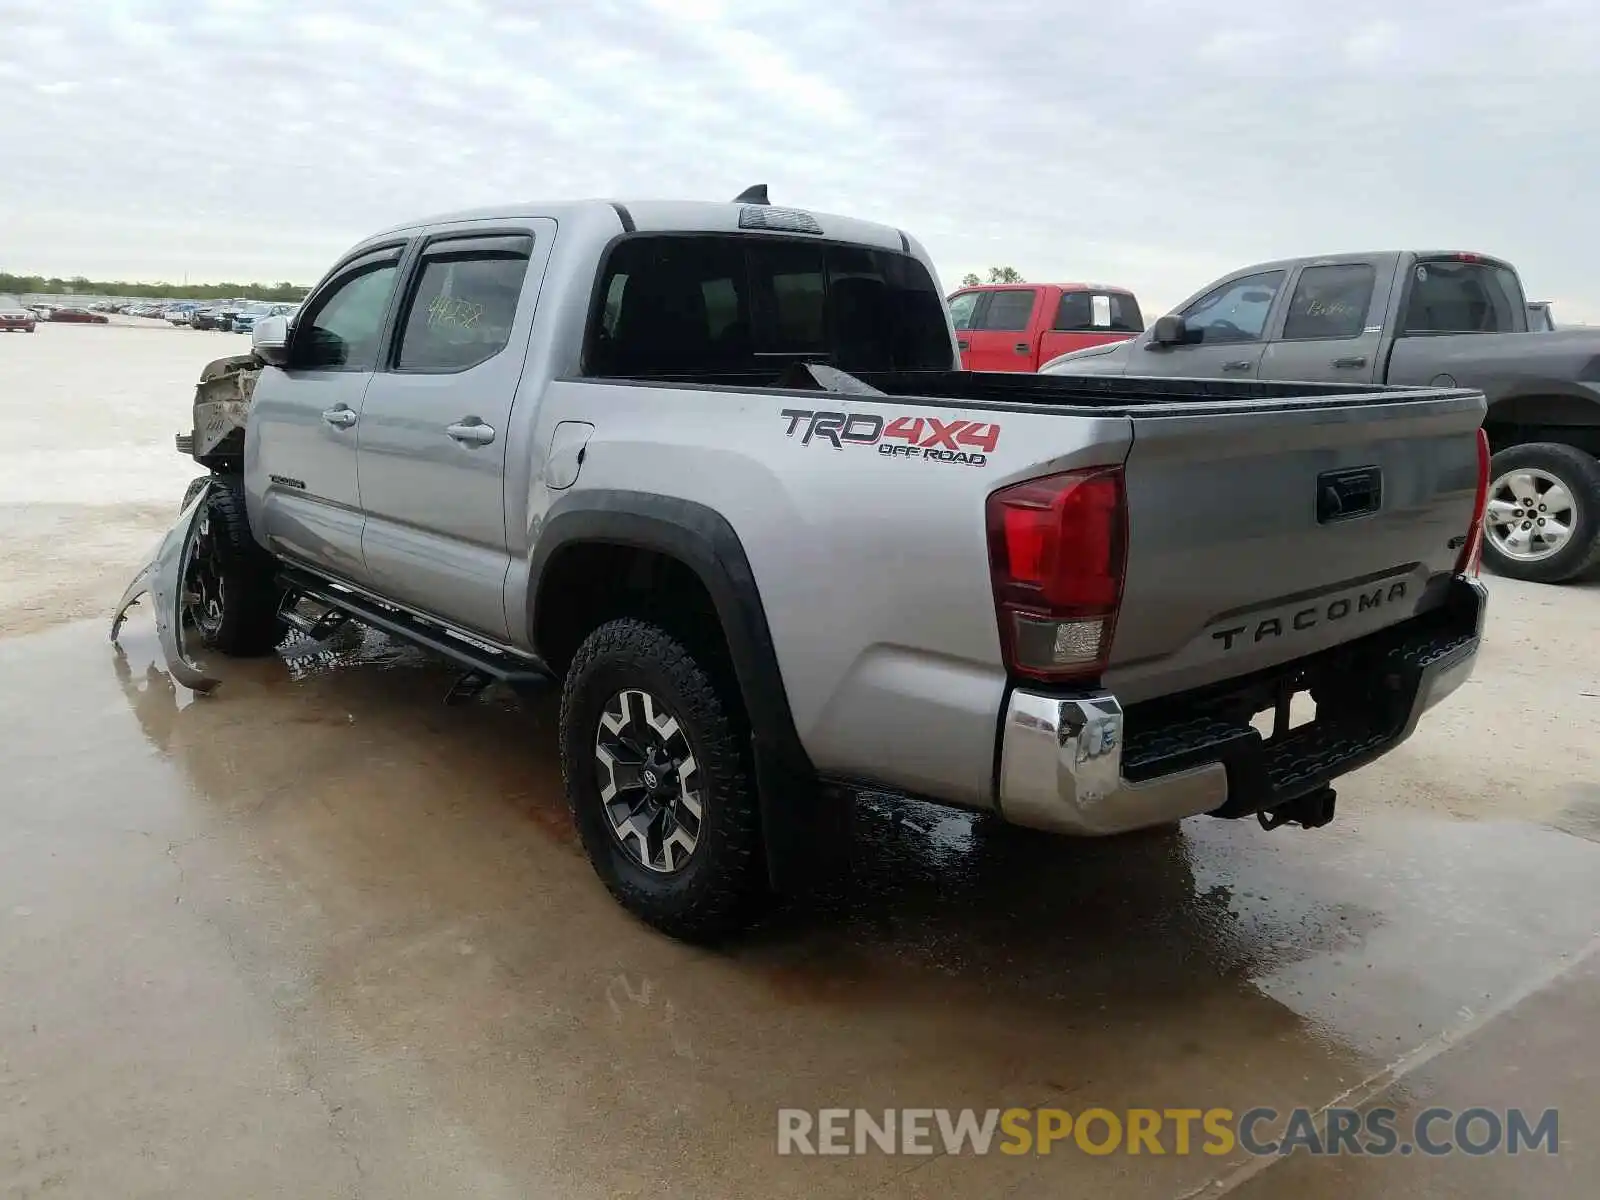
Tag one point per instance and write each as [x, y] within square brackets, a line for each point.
[1090, 317]
[1001, 337]
[1227, 332]
[300, 446]
[1331, 329]
[433, 430]
[1446, 303]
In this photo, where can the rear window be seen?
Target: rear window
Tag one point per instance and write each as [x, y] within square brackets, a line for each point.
[1094, 312]
[1008, 310]
[1450, 296]
[679, 304]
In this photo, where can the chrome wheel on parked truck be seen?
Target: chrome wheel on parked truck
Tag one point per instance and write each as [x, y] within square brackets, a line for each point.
[1542, 521]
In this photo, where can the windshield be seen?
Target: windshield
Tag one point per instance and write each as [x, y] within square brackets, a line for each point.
[690, 305]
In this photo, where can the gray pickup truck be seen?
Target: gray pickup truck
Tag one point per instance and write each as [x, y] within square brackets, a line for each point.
[1412, 318]
[714, 469]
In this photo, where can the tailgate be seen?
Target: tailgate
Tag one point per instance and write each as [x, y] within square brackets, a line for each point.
[1262, 531]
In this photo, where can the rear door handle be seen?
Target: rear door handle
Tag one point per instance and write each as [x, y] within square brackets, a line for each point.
[1022, 347]
[471, 432]
[1354, 362]
[1238, 364]
[963, 344]
[340, 415]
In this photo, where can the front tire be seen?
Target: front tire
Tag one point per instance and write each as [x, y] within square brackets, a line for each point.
[657, 769]
[231, 594]
[1543, 518]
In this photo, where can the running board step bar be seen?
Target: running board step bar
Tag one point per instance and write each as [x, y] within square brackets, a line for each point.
[478, 659]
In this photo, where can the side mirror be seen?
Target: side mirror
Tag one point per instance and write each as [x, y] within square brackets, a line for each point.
[269, 340]
[1168, 331]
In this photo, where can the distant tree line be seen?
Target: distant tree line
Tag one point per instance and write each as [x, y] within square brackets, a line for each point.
[55, 286]
[996, 275]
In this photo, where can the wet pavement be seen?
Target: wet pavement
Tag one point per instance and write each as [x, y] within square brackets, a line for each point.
[321, 935]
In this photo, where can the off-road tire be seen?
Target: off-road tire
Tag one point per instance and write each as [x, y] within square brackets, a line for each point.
[250, 594]
[1579, 473]
[721, 888]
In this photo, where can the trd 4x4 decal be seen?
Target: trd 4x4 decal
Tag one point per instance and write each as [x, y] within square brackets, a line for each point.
[927, 438]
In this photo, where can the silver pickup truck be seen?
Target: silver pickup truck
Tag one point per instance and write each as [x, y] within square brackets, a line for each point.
[715, 469]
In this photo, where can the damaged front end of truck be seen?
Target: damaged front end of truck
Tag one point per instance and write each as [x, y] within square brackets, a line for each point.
[182, 589]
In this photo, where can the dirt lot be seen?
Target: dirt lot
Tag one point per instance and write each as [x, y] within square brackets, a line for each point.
[320, 935]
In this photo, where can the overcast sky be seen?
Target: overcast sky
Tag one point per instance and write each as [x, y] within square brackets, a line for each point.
[1151, 143]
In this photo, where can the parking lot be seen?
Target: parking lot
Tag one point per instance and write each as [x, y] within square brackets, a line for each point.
[321, 935]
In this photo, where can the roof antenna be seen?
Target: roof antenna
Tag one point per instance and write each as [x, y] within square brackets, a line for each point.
[753, 195]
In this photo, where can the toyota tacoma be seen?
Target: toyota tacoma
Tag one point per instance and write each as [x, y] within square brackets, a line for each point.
[714, 469]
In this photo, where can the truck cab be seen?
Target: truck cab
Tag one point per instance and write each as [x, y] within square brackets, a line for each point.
[1017, 326]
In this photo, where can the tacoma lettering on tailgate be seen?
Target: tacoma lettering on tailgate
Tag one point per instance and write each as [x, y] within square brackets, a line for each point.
[928, 439]
[1310, 616]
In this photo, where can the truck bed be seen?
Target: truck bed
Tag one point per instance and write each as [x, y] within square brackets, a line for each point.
[1266, 521]
[1105, 395]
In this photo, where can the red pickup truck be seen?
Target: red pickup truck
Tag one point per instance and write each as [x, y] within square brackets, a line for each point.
[1018, 326]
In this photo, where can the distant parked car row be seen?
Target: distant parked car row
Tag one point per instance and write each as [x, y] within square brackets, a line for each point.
[238, 316]
[14, 315]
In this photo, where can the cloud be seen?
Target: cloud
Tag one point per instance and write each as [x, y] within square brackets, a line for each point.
[1155, 145]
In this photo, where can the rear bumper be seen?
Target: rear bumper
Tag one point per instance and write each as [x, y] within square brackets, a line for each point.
[1083, 765]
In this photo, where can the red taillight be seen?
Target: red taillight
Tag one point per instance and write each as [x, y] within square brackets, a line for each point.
[1468, 561]
[1057, 549]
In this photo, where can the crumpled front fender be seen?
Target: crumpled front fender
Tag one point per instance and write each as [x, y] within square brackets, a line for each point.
[163, 579]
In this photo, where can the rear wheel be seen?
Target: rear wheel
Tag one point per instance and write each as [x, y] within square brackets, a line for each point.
[230, 592]
[658, 775]
[1542, 523]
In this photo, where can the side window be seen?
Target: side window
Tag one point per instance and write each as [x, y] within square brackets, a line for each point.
[1451, 296]
[1008, 310]
[961, 308]
[463, 304]
[1235, 312]
[1330, 302]
[340, 333]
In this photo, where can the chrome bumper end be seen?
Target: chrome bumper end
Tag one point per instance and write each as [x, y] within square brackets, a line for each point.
[1061, 758]
[1061, 771]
